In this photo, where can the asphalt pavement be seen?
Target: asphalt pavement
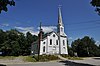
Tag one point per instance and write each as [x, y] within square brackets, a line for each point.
[54, 63]
[93, 61]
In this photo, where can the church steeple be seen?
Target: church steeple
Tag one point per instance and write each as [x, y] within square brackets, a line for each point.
[60, 16]
[60, 26]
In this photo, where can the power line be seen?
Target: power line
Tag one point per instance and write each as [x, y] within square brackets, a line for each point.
[85, 22]
[78, 23]
[91, 21]
[81, 29]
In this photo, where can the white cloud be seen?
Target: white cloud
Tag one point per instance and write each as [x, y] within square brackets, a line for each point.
[70, 38]
[27, 29]
[4, 25]
[36, 30]
[97, 43]
[48, 29]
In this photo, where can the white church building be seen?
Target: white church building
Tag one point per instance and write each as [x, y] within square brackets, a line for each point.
[54, 42]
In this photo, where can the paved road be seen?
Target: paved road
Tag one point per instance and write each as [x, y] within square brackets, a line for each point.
[39, 64]
[92, 60]
[59, 63]
[87, 62]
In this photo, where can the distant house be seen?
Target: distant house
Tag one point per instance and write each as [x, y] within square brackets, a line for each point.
[52, 42]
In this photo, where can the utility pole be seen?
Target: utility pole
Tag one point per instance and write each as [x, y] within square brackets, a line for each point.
[39, 42]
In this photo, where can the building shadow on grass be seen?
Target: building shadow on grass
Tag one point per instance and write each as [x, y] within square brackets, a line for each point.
[2, 65]
[70, 63]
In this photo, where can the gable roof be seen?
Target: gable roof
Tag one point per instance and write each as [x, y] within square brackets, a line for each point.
[48, 34]
[44, 36]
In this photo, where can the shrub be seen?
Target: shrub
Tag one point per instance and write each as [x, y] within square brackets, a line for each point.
[64, 55]
[29, 59]
[46, 57]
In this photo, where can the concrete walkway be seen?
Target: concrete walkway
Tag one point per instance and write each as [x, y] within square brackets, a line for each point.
[62, 58]
[91, 60]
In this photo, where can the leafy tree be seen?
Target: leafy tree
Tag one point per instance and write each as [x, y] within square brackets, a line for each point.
[23, 44]
[4, 3]
[29, 37]
[85, 47]
[99, 47]
[15, 48]
[14, 43]
[70, 51]
[10, 46]
[6, 48]
[13, 34]
[35, 38]
[75, 44]
[96, 3]
[2, 38]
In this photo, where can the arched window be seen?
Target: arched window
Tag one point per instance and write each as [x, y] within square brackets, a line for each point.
[43, 42]
[50, 41]
[44, 49]
[53, 35]
[56, 42]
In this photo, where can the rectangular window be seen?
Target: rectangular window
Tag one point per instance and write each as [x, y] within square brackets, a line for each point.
[50, 41]
[63, 43]
[56, 42]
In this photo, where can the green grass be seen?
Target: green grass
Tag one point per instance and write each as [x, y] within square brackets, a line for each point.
[29, 59]
[75, 58]
[64, 55]
[72, 58]
[43, 58]
[7, 57]
[24, 58]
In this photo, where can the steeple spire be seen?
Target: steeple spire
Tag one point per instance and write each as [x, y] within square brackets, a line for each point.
[60, 16]
[60, 27]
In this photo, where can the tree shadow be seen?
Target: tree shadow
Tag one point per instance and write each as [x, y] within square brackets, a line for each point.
[97, 58]
[70, 63]
[2, 65]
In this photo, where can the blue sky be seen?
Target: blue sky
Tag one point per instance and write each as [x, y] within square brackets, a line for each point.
[79, 17]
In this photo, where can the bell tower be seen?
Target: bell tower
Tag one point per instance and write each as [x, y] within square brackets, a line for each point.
[60, 27]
